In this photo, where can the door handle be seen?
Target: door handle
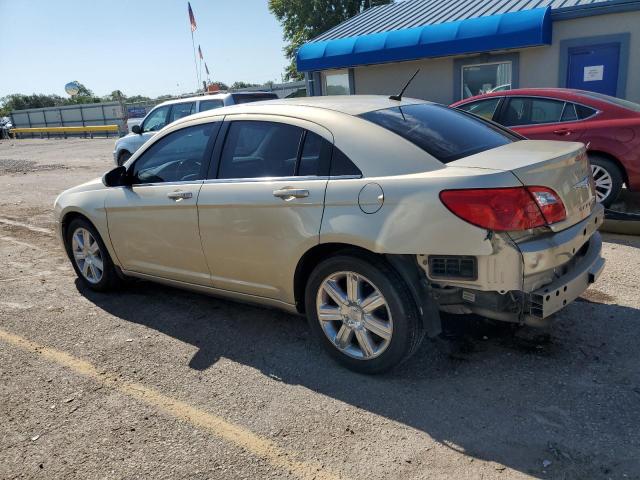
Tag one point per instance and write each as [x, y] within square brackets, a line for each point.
[290, 193]
[177, 196]
[562, 132]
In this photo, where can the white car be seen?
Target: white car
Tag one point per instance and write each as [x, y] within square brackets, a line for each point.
[172, 110]
[368, 214]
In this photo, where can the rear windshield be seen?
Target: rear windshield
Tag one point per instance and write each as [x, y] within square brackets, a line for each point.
[616, 101]
[444, 133]
[253, 97]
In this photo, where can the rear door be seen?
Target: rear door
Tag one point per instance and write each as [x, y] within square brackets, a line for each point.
[262, 207]
[539, 118]
[153, 224]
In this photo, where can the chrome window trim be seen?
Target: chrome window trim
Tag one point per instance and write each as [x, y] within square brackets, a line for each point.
[279, 179]
[159, 184]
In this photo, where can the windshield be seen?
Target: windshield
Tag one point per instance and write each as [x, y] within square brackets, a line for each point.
[616, 101]
[444, 133]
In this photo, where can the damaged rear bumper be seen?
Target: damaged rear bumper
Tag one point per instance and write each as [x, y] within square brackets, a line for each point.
[556, 270]
[547, 300]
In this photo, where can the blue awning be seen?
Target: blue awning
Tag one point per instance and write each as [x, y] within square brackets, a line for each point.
[526, 28]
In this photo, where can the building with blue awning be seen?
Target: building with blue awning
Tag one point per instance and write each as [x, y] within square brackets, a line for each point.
[469, 47]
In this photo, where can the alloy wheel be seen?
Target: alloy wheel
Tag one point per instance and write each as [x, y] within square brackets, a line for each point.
[87, 255]
[603, 182]
[354, 315]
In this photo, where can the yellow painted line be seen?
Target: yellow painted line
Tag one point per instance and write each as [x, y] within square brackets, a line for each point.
[13, 223]
[237, 435]
[90, 128]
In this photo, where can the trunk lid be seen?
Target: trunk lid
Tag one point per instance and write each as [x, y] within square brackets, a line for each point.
[561, 166]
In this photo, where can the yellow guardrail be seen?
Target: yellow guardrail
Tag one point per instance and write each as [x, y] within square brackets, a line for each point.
[89, 129]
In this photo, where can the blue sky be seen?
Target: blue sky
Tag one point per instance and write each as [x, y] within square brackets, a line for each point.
[137, 46]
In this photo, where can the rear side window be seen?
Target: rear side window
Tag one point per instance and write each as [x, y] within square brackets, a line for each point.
[180, 110]
[531, 111]
[483, 108]
[315, 156]
[444, 133]
[341, 165]
[253, 97]
[210, 105]
[585, 112]
[569, 114]
[256, 149]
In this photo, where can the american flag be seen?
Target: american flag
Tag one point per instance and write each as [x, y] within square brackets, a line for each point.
[192, 18]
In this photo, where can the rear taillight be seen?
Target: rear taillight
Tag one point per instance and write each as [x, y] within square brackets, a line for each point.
[506, 209]
[550, 204]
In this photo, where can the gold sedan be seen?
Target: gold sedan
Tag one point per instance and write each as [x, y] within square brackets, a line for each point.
[368, 214]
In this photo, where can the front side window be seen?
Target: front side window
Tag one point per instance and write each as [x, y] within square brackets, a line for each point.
[210, 105]
[444, 133]
[482, 108]
[485, 78]
[181, 110]
[176, 157]
[336, 82]
[531, 111]
[156, 120]
[255, 149]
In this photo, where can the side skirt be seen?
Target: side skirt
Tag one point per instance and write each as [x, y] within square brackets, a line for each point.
[216, 292]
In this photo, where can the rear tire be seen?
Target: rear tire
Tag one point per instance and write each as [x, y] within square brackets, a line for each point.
[89, 256]
[608, 179]
[375, 326]
[123, 157]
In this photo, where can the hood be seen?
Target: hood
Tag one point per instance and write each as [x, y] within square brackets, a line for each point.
[92, 185]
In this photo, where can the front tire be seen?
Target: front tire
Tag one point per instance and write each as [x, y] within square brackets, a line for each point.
[123, 157]
[362, 312]
[608, 179]
[89, 256]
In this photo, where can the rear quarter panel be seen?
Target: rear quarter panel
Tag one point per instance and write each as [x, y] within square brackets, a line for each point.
[412, 219]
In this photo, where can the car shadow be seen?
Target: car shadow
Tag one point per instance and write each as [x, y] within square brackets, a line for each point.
[518, 398]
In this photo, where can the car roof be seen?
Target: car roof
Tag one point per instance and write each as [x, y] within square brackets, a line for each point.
[346, 104]
[559, 93]
[209, 96]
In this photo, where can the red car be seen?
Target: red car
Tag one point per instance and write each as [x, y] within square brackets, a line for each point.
[609, 126]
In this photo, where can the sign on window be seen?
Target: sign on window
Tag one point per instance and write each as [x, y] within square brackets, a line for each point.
[594, 73]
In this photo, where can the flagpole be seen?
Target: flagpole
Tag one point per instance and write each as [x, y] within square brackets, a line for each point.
[195, 61]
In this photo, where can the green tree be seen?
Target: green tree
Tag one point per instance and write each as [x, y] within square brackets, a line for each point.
[236, 85]
[303, 20]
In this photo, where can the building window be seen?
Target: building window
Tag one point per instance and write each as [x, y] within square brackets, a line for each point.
[336, 82]
[485, 78]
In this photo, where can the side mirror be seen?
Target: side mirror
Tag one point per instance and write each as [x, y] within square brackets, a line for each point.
[136, 129]
[116, 177]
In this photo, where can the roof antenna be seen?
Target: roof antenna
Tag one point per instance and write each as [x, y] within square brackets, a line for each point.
[399, 96]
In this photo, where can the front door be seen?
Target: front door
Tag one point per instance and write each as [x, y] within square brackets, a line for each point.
[264, 209]
[594, 68]
[153, 224]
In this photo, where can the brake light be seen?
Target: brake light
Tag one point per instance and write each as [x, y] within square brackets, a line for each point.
[505, 209]
[550, 204]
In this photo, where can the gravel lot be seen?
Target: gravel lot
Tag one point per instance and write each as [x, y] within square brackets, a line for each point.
[153, 382]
